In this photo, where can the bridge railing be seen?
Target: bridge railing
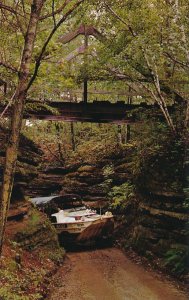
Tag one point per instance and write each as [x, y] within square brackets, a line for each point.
[95, 95]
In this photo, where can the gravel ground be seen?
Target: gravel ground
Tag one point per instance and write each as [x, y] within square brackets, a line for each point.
[107, 274]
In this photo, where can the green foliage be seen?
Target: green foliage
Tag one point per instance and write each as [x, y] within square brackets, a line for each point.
[13, 244]
[7, 294]
[55, 254]
[108, 170]
[121, 196]
[105, 186]
[13, 287]
[34, 221]
[177, 259]
[57, 141]
[158, 159]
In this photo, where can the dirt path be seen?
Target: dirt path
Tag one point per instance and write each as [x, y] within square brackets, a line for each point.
[108, 274]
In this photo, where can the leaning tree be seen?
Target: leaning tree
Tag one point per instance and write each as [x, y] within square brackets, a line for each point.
[27, 28]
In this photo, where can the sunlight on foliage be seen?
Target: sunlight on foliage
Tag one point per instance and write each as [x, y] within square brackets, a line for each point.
[121, 196]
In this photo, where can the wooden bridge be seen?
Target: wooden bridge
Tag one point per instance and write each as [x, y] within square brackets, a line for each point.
[80, 109]
[95, 112]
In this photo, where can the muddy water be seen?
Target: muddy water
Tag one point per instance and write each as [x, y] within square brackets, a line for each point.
[107, 274]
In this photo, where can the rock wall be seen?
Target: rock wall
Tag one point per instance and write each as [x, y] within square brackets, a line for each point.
[158, 224]
[29, 157]
[86, 182]
[36, 232]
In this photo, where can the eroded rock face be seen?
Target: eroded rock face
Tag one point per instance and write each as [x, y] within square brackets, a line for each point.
[37, 235]
[29, 157]
[158, 225]
[157, 229]
[31, 230]
[92, 183]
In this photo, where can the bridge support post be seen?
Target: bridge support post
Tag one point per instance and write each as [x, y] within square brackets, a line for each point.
[85, 90]
[128, 127]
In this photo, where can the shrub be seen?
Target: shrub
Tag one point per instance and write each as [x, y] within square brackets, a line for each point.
[177, 259]
[121, 196]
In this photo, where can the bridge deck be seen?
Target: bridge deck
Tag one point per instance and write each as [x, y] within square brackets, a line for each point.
[96, 112]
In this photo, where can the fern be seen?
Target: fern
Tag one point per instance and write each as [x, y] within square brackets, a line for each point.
[177, 259]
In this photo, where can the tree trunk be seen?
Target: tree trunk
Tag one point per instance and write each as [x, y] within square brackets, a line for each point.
[186, 172]
[59, 138]
[119, 135]
[72, 136]
[16, 121]
[127, 133]
[187, 115]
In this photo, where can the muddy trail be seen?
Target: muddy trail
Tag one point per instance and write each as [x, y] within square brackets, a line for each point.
[107, 274]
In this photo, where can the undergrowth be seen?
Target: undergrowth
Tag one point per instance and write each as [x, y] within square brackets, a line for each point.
[177, 259]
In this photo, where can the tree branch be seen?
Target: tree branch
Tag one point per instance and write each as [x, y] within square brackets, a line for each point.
[7, 66]
[39, 58]
[120, 19]
[53, 14]
[159, 98]
[59, 10]
[8, 8]
[184, 65]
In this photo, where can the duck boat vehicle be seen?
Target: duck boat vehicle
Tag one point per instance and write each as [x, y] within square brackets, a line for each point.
[83, 224]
